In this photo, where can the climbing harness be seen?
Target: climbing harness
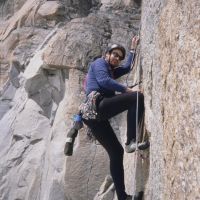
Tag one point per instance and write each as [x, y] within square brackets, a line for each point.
[88, 108]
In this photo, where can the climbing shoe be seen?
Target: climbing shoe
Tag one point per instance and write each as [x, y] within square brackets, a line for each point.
[143, 145]
[71, 135]
[138, 195]
[129, 197]
[130, 148]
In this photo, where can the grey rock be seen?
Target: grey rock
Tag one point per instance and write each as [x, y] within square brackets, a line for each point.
[4, 75]
[13, 76]
[53, 58]
[91, 159]
[56, 93]
[51, 9]
[106, 190]
[83, 36]
[6, 98]
[27, 145]
[170, 70]
[16, 52]
[4, 107]
[77, 8]
[9, 93]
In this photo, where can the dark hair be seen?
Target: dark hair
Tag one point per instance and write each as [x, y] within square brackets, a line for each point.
[116, 46]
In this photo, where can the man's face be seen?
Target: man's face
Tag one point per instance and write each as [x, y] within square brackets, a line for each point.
[115, 57]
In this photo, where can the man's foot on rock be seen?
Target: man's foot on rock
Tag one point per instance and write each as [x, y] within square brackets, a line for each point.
[143, 145]
[130, 148]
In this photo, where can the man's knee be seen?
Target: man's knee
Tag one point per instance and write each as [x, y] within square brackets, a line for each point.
[141, 96]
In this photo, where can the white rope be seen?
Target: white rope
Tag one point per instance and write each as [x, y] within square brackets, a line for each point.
[137, 111]
[137, 128]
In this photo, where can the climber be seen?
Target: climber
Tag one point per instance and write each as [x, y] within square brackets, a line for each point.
[101, 80]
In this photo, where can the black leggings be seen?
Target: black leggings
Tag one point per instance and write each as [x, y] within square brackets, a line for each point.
[103, 132]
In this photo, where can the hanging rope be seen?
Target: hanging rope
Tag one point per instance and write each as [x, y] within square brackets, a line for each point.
[137, 128]
[137, 104]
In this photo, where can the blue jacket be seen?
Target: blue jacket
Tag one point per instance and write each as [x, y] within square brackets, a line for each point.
[100, 77]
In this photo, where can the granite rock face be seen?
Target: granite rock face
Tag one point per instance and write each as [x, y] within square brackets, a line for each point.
[46, 47]
[86, 35]
[170, 60]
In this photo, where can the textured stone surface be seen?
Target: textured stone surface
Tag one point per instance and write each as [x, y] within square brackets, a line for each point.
[91, 160]
[84, 35]
[78, 8]
[25, 15]
[22, 149]
[16, 52]
[170, 53]
[51, 8]
[106, 190]
[43, 61]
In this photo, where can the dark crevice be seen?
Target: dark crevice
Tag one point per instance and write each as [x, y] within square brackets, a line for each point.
[35, 141]
[17, 137]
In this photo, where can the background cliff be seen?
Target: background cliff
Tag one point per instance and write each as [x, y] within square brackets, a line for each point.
[46, 47]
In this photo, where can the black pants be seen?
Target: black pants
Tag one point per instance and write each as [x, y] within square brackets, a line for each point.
[103, 132]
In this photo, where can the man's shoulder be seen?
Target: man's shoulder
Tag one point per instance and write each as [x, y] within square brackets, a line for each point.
[100, 62]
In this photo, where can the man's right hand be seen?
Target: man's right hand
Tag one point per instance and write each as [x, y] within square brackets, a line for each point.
[134, 42]
[128, 90]
[135, 89]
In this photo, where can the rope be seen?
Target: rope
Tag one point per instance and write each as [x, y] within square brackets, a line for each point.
[137, 108]
[137, 130]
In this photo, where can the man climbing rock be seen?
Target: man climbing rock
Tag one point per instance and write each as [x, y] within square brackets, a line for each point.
[101, 87]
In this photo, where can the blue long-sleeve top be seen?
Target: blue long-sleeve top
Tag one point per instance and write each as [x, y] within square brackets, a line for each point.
[101, 77]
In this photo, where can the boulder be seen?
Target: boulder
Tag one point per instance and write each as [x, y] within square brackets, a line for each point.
[79, 41]
[51, 9]
[170, 45]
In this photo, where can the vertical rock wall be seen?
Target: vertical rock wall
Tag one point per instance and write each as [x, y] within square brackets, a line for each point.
[170, 61]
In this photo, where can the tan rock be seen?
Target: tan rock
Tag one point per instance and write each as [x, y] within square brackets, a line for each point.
[51, 9]
[170, 50]
[79, 40]
[19, 18]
